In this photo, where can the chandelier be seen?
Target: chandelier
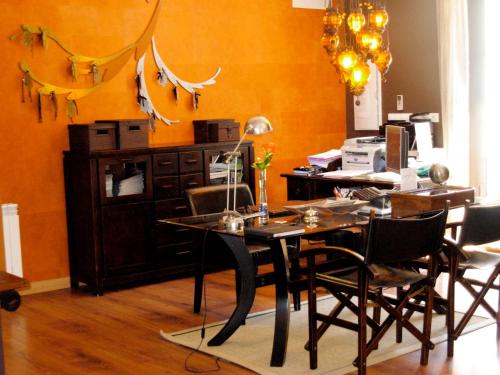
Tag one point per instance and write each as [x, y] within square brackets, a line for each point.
[352, 36]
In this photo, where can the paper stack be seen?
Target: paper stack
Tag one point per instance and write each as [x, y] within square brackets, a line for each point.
[324, 159]
[132, 185]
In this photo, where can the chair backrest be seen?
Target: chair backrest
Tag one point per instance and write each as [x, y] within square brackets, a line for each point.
[481, 224]
[399, 240]
[213, 198]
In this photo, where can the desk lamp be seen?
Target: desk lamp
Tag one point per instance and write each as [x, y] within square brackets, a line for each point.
[255, 125]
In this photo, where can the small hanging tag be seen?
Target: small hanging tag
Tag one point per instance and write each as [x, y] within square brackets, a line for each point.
[71, 109]
[27, 84]
[53, 99]
[196, 100]
[96, 74]
[177, 94]
[162, 78]
[40, 117]
[152, 121]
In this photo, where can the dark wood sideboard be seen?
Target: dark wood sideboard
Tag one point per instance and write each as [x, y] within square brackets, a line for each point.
[112, 216]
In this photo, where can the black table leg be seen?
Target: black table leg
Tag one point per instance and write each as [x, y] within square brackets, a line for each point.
[282, 319]
[247, 291]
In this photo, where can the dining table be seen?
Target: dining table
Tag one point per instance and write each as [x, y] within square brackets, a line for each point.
[275, 233]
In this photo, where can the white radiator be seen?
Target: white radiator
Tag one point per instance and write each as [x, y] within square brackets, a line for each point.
[12, 239]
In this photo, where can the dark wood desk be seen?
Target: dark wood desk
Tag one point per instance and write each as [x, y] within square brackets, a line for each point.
[236, 244]
[316, 187]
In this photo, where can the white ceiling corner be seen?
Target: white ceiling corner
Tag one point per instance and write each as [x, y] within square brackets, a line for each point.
[308, 4]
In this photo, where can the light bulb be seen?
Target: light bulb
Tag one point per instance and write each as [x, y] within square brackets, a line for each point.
[356, 20]
[379, 18]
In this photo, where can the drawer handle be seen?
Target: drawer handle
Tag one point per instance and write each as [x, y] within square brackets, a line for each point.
[165, 163]
[167, 186]
[186, 252]
[181, 230]
[191, 161]
[134, 128]
[102, 132]
[192, 183]
[178, 208]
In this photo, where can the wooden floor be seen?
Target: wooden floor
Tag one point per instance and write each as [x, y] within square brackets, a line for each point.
[68, 332]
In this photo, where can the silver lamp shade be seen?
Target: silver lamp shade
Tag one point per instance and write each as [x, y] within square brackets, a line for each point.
[258, 125]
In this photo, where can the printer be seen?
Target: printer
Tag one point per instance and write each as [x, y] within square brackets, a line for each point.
[364, 153]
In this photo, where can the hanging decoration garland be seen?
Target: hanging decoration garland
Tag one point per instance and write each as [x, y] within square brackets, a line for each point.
[144, 100]
[164, 75]
[102, 70]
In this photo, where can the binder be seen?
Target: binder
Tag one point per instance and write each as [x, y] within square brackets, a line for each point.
[397, 143]
[274, 230]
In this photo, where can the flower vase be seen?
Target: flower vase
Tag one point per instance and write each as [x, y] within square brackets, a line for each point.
[263, 196]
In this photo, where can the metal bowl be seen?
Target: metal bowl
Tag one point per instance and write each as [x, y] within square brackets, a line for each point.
[439, 173]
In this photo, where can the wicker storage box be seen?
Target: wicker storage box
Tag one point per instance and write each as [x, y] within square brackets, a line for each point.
[92, 137]
[219, 130]
[130, 133]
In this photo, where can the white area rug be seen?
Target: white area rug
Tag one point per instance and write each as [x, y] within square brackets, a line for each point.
[250, 346]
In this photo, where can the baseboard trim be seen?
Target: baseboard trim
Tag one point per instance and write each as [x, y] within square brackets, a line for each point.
[45, 286]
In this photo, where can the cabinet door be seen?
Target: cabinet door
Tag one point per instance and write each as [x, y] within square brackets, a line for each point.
[125, 179]
[216, 167]
[126, 237]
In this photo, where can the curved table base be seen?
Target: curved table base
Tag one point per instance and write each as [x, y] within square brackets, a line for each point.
[247, 288]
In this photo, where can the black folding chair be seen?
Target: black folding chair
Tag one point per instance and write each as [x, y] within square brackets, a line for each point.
[391, 243]
[481, 225]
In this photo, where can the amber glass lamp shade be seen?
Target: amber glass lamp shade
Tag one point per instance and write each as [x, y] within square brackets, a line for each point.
[378, 18]
[333, 18]
[330, 42]
[375, 41]
[383, 59]
[356, 21]
[359, 77]
[347, 59]
[363, 39]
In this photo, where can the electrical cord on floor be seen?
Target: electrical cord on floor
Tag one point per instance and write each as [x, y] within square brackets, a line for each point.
[202, 333]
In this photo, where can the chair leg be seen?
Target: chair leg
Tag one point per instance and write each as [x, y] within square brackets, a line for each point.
[450, 308]
[362, 322]
[296, 300]
[424, 354]
[399, 325]
[478, 299]
[377, 310]
[313, 323]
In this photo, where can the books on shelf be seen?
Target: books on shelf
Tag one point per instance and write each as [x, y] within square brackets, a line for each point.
[275, 230]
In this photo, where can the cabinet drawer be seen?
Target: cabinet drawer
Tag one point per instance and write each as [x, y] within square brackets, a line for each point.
[166, 187]
[190, 181]
[190, 161]
[167, 163]
[171, 208]
[172, 235]
[175, 255]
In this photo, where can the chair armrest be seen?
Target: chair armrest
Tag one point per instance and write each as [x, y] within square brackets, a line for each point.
[454, 226]
[451, 246]
[319, 249]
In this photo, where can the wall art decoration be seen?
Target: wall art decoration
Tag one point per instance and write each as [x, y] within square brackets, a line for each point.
[165, 75]
[101, 70]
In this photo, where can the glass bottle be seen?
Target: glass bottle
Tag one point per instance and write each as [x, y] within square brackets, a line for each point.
[263, 196]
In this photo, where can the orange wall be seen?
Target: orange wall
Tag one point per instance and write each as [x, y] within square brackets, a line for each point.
[272, 64]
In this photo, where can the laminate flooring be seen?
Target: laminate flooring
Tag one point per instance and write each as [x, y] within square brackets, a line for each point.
[74, 332]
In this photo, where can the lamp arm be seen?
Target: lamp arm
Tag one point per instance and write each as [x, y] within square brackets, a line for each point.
[235, 151]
